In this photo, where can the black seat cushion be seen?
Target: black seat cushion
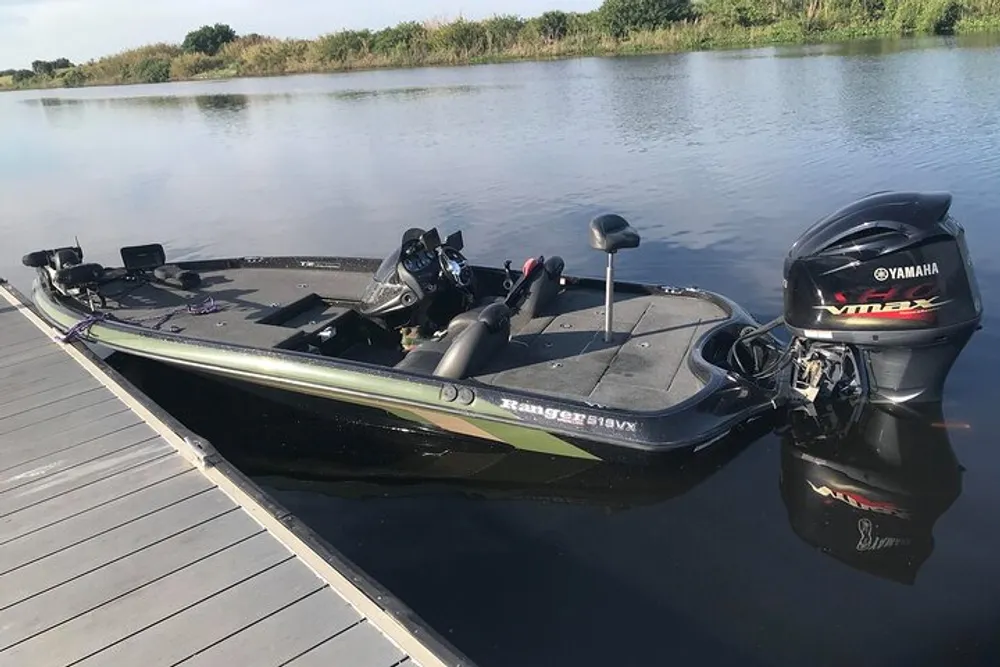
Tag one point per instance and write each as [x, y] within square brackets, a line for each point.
[472, 339]
[611, 233]
[425, 357]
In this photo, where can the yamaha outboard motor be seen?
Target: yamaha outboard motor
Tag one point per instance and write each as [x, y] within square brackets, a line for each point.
[866, 488]
[881, 298]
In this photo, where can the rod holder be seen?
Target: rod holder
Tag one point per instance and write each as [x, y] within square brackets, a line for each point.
[609, 298]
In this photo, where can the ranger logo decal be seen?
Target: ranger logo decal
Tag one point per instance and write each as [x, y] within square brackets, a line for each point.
[569, 417]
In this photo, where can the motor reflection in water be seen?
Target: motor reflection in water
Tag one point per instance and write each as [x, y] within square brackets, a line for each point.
[866, 483]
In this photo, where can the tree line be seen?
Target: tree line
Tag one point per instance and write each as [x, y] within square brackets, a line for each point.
[38, 68]
[617, 26]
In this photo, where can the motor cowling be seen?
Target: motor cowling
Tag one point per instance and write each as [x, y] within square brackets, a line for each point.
[891, 276]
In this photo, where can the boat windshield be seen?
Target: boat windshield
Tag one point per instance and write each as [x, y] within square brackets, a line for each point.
[387, 268]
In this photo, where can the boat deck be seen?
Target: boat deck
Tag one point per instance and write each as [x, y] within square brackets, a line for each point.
[562, 354]
[643, 368]
[249, 300]
[124, 543]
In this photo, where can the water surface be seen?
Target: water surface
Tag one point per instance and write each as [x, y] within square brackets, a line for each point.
[720, 160]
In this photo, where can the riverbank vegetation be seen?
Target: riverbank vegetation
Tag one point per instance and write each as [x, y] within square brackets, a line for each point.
[617, 27]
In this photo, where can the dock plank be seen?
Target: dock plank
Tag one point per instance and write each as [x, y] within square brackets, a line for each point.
[54, 395]
[115, 620]
[357, 647]
[63, 461]
[78, 478]
[17, 330]
[70, 504]
[55, 569]
[95, 522]
[106, 419]
[98, 587]
[44, 419]
[16, 346]
[27, 349]
[27, 354]
[15, 391]
[201, 625]
[33, 367]
[48, 430]
[283, 636]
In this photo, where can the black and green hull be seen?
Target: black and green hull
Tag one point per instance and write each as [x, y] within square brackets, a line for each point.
[469, 409]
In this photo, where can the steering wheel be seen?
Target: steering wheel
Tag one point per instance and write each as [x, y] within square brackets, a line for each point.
[454, 266]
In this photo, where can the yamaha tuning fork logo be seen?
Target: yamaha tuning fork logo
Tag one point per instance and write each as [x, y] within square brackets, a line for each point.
[904, 272]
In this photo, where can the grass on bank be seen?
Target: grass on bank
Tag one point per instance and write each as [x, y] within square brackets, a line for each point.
[618, 27]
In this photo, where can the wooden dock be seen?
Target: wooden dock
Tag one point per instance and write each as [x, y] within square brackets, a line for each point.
[127, 541]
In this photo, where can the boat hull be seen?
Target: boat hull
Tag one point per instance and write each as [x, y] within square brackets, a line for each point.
[468, 409]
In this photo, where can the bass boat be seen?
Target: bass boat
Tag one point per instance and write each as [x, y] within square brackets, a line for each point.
[880, 298]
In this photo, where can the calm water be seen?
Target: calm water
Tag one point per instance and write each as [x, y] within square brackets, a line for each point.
[720, 160]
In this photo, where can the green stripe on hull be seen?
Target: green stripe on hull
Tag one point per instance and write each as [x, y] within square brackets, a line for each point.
[406, 415]
[530, 439]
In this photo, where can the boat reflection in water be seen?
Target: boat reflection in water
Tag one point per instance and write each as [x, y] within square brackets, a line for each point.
[287, 441]
[351, 452]
[866, 483]
[863, 482]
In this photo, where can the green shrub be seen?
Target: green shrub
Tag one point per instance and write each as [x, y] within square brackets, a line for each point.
[341, 46]
[583, 24]
[152, 70]
[208, 39]
[553, 26]
[42, 68]
[621, 17]
[743, 13]
[405, 37]
[192, 64]
[274, 57]
[502, 31]
[74, 78]
[939, 16]
[461, 38]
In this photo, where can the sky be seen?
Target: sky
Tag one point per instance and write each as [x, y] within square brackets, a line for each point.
[85, 29]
